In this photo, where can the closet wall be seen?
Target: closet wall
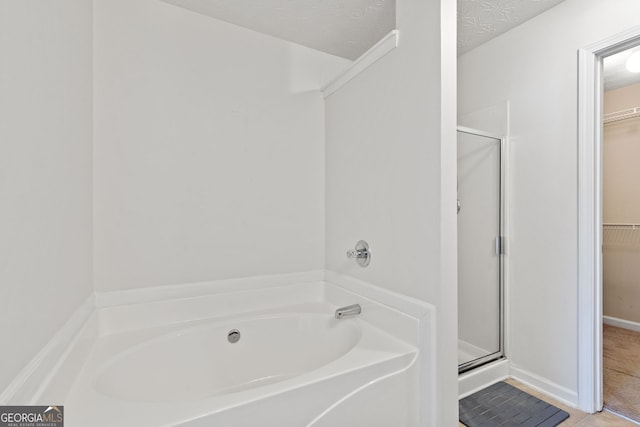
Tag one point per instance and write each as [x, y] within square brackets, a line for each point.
[621, 235]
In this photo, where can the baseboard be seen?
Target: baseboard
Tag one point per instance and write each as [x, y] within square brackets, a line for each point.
[34, 376]
[543, 385]
[482, 377]
[190, 290]
[621, 416]
[621, 323]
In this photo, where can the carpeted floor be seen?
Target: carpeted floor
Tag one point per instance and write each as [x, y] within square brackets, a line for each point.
[621, 354]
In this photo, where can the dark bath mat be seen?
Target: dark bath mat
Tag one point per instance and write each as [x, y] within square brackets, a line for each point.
[507, 406]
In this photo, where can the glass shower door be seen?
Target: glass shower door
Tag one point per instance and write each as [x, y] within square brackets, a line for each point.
[479, 249]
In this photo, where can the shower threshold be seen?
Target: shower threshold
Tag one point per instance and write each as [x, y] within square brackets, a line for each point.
[471, 357]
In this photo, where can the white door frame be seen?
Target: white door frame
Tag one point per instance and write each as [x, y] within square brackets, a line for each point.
[590, 214]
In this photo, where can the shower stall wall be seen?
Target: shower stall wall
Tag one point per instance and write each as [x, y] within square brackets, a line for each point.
[480, 248]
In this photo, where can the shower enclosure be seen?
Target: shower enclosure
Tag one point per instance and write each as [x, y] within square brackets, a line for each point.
[480, 248]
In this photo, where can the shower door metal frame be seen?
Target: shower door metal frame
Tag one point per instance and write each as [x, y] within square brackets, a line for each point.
[501, 353]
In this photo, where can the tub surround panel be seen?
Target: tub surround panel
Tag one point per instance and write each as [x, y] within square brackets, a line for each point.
[189, 290]
[45, 173]
[139, 308]
[403, 303]
[140, 316]
[383, 317]
[405, 317]
[209, 149]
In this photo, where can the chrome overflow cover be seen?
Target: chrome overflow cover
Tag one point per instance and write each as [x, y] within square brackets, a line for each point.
[233, 336]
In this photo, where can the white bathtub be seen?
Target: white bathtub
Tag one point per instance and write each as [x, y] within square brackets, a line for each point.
[198, 362]
[293, 366]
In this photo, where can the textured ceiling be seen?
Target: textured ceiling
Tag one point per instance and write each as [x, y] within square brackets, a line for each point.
[345, 28]
[481, 20]
[616, 74]
[348, 28]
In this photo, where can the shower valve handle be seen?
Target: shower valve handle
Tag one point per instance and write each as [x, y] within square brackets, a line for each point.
[356, 254]
[361, 253]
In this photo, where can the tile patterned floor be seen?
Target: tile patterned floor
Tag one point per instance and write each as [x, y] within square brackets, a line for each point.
[576, 418]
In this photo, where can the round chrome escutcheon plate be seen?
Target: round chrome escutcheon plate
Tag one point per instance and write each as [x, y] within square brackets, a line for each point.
[233, 336]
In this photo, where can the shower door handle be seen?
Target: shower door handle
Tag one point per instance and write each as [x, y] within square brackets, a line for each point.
[499, 246]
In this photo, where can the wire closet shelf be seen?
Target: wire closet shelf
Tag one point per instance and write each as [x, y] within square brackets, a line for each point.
[621, 235]
[617, 116]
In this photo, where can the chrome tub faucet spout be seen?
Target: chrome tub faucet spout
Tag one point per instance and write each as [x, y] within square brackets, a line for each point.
[348, 311]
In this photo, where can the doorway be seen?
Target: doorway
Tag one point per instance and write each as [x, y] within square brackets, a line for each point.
[621, 233]
[590, 215]
[480, 248]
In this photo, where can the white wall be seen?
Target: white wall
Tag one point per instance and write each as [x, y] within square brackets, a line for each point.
[390, 175]
[209, 149]
[534, 68]
[45, 172]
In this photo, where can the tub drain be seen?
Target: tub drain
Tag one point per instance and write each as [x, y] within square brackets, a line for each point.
[233, 336]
